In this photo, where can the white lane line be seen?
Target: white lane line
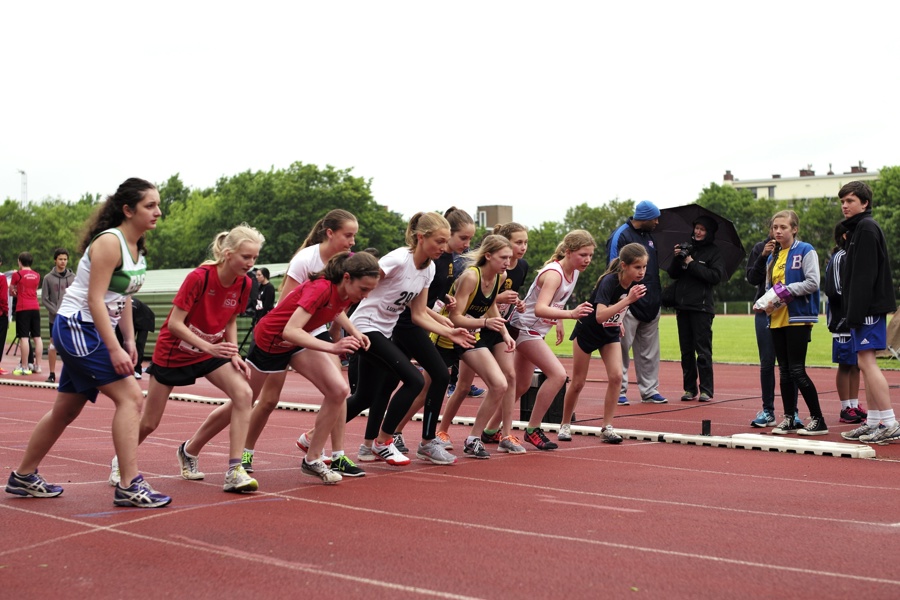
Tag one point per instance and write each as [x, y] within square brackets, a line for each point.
[586, 505]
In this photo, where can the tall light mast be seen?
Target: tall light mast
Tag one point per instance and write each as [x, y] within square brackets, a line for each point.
[24, 186]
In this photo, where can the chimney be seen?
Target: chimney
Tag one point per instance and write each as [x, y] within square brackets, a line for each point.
[808, 172]
[859, 169]
[776, 176]
[729, 176]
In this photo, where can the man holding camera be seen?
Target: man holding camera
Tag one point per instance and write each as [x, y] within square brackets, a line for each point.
[696, 269]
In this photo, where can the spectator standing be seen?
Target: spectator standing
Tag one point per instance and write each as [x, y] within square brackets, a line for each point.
[695, 271]
[144, 323]
[53, 288]
[4, 313]
[868, 293]
[265, 300]
[641, 322]
[24, 286]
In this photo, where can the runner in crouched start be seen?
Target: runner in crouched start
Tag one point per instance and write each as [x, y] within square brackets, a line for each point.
[617, 289]
[283, 337]
[476, 292]
[112, 269]
[199, 339]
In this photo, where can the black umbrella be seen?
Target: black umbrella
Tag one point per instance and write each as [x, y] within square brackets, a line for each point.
[676, 226]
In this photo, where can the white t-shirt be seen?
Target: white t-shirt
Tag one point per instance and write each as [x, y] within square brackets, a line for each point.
[402, 282]
[305, 263]
[528, 320]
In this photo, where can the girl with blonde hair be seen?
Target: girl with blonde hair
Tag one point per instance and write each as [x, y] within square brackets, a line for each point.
[199, 339]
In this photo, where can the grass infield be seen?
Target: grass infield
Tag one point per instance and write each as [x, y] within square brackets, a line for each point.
[734, 341]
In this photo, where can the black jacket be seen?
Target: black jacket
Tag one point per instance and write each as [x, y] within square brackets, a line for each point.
[694, 282]
[866, 286]
[756, 269]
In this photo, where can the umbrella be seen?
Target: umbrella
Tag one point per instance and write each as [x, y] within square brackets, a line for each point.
[676, 226]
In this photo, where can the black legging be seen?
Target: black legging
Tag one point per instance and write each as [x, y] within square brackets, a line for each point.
[791, 344]
[417, 344]
[380, 368]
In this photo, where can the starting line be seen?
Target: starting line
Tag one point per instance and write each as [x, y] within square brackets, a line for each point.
[740, 441]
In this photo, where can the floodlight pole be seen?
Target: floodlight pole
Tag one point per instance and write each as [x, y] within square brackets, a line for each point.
[24, 187]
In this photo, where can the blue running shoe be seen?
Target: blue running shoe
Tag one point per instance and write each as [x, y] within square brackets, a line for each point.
[623, 401]
[139, 494]
[450, 389]
[476, 392]
[31, 485]
[763, 419]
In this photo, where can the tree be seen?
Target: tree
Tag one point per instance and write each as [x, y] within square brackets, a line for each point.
[886, 210]
[750, 217]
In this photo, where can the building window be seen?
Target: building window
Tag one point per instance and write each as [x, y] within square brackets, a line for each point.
[771, 191]
[482, 218]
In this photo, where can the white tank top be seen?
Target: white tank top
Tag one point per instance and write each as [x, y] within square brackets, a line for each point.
[527, 320]
[125, 281]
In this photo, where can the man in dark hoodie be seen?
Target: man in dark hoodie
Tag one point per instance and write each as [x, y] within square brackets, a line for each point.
[695, 272]
[868, 296]
[54, 287]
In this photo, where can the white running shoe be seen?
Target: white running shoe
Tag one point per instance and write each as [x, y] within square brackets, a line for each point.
[303, 444]
[389, 454]
[444, 438]
[565, 433]
[114, 475]
[188, 464]
[319, 469]
[365, 454]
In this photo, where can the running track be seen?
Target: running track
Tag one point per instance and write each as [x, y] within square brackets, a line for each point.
[642, 519]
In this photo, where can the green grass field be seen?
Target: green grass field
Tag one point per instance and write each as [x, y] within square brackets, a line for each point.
[734, 341]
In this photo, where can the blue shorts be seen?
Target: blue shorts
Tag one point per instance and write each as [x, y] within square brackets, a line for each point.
[86, 362]
[842, 352]
[871, 335]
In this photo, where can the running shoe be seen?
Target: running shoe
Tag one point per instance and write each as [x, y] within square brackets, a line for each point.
[475, 449]
[788, 425]
[623, 400]
[862, 412]
[565, 433]
[31, 485]
[491, 438]
[114, 475]
[444, 438]
[539, 440]
[21, 371]
[450, 389]
[476, 392]
[51, 378]
[319, 469]
[139, 494]
[609, 435]
[247, 461]
[688, 396]
[704, 397]
[365, 454]
[856, 434]
[400, 444]
[655, 399]
[3, 371]
[188, 464]
[884, 434]
[512, 445]
[346, 467]
[389, 454]
[237, 481]
[763, 419]
[816, 426]
[851, 415]
[303, 444]
[435, 452]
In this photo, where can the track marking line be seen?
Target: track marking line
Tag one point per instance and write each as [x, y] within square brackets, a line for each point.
[552, 500]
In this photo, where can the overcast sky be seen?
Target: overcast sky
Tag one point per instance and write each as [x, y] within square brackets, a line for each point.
[539, 105]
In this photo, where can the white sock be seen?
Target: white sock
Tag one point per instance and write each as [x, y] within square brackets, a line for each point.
[845, 404]
[249, 451]
[888, 418]
[854, 402]
[471, 439]
[337, 454]
[874, 418]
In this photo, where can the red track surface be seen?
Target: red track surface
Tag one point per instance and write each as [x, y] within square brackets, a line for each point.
[590, 519]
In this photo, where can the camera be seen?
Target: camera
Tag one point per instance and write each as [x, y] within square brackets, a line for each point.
[684, 250]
